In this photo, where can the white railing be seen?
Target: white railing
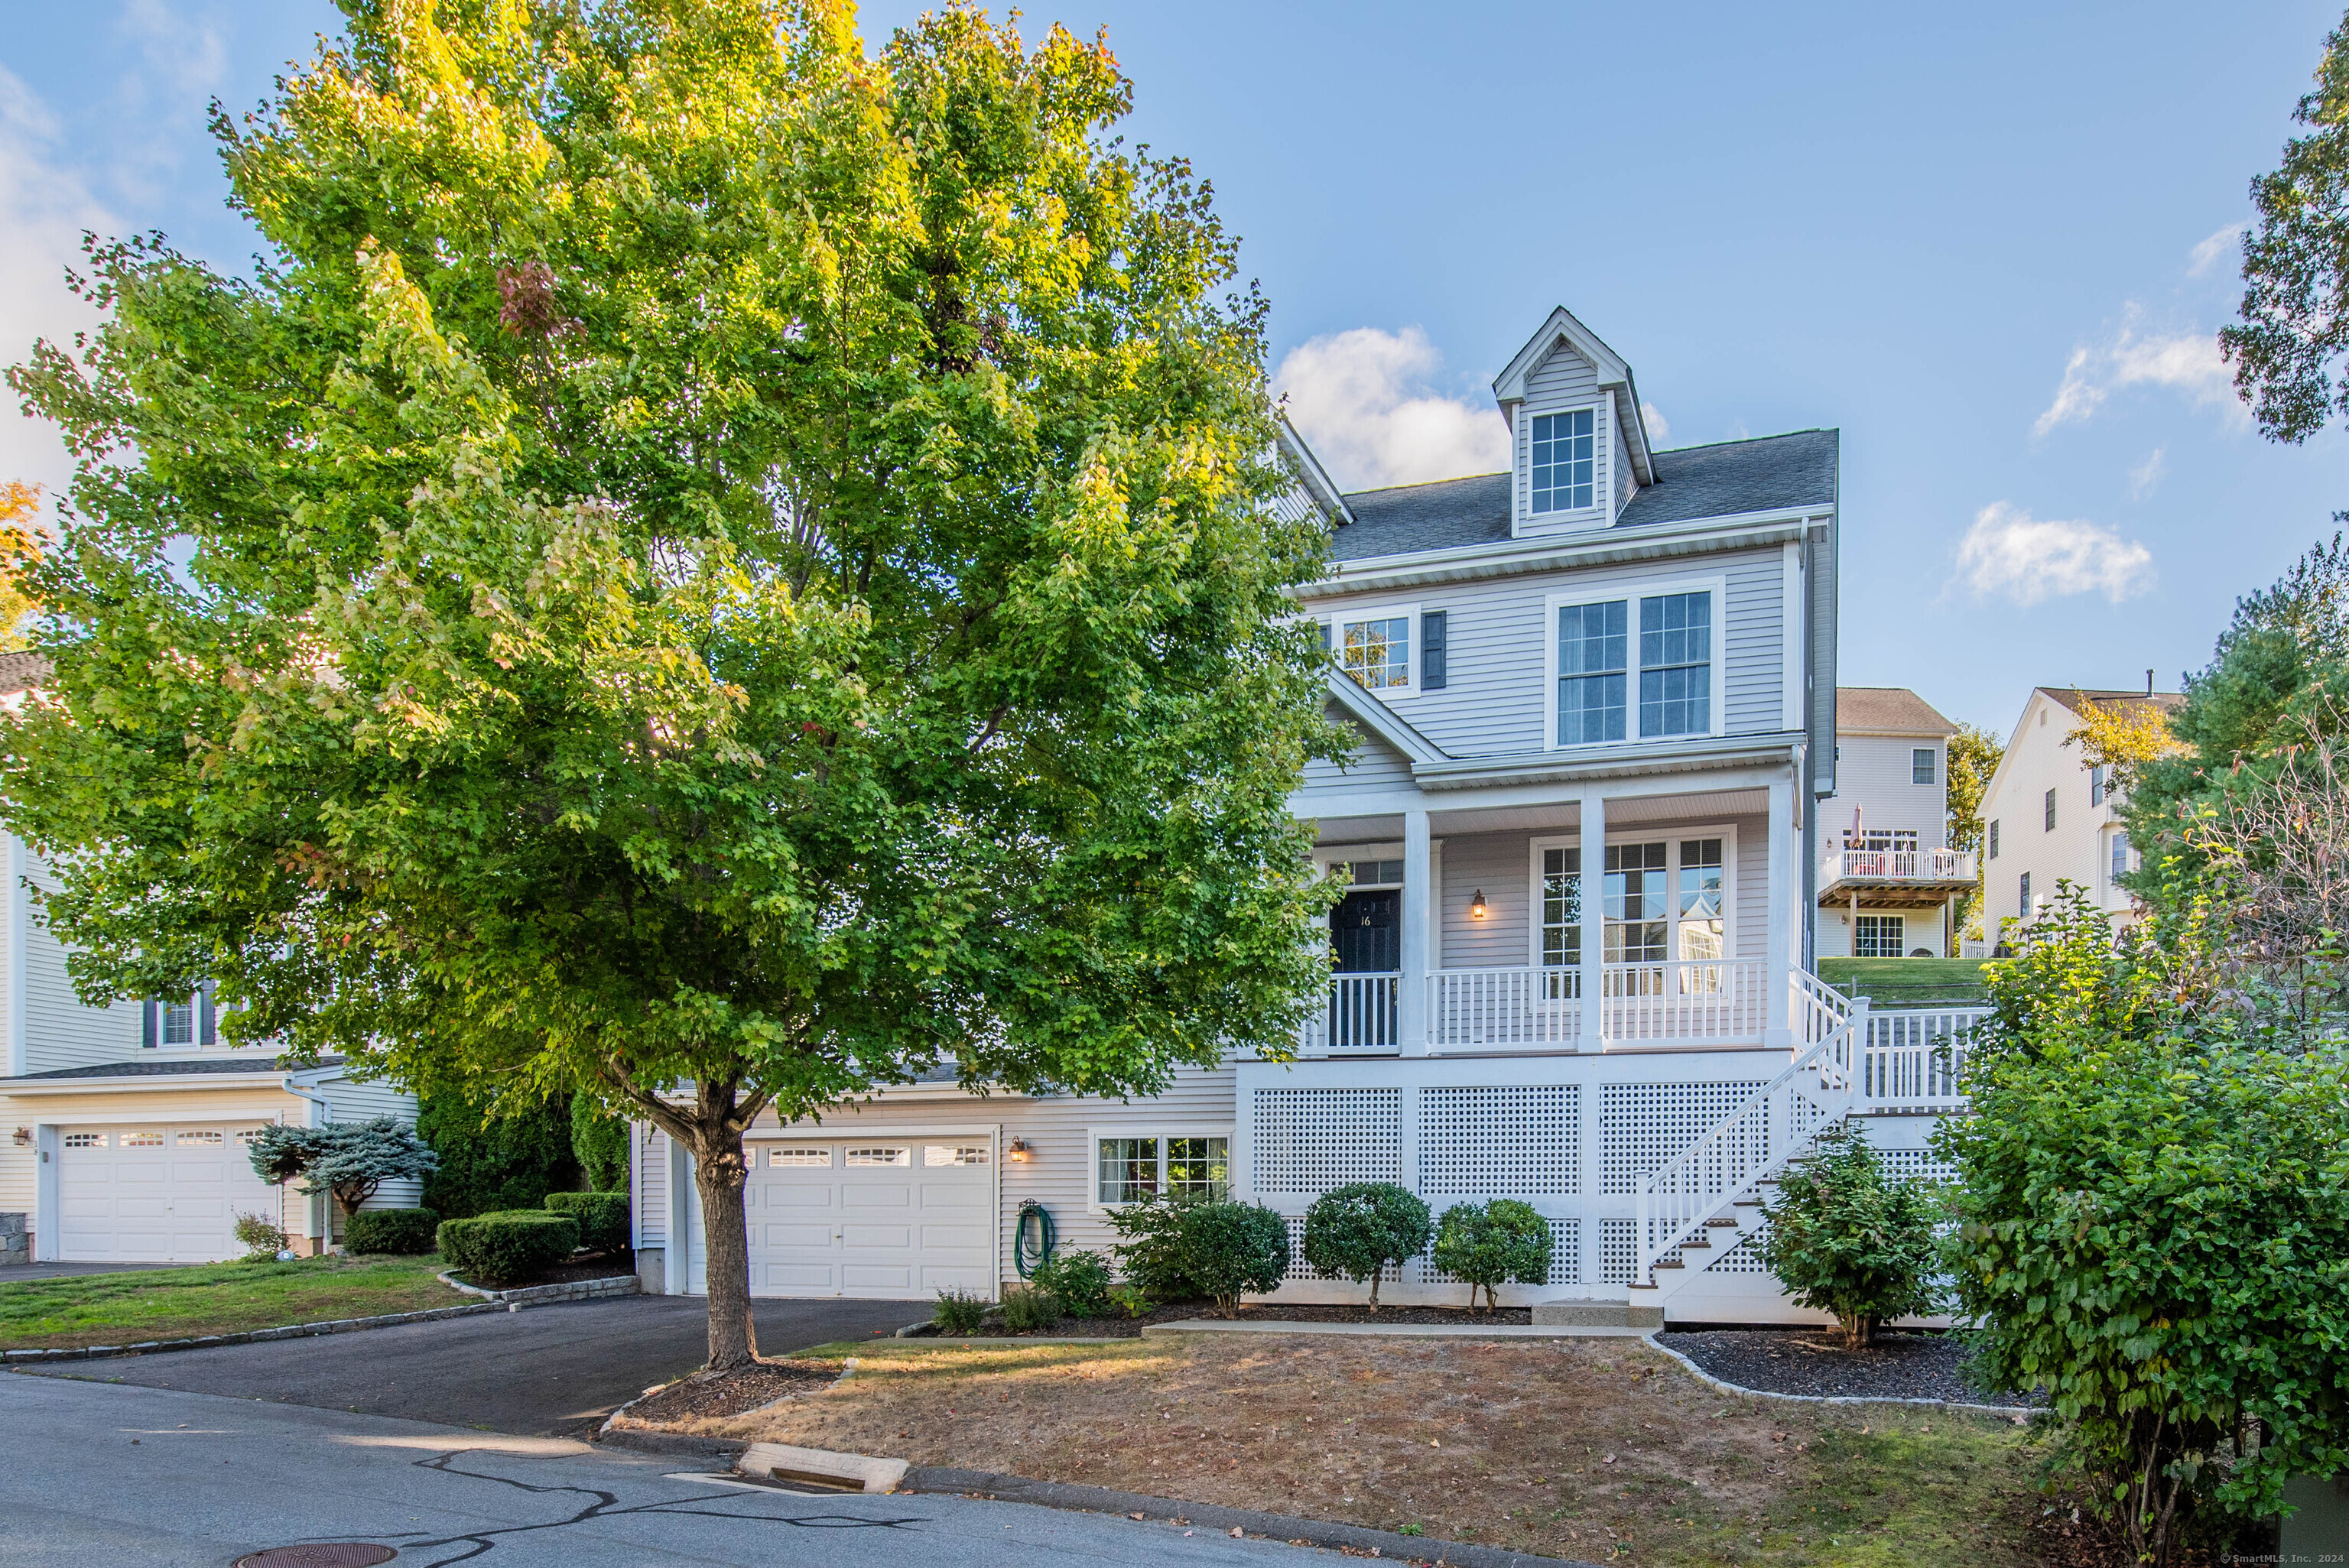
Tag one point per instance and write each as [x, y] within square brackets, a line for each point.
[1897, 865]
[1719, 999]
[1776, 1123]
[1471, 1009]
[1911, 1060]
[1815, 1010]
[1361, 1015]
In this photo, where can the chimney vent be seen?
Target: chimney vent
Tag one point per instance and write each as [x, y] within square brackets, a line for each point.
[2148, 683]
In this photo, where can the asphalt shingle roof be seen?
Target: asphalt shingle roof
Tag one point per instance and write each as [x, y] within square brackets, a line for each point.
[1720, 480]
[1887, 710]
[174, 1066]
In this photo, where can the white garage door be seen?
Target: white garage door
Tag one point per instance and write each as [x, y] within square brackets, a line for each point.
[156, 1194]
[877, 1218]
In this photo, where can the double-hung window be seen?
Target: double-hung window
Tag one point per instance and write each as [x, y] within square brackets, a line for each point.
[1665, 674]
[2051, 811]
[1993, 837]
[1658, 902]
[1136, 1169]
[1566, 467]
[1376, 652]
[2022, 895]
[1920, 765]
[178, 1023]
[2121, 861]
[1702, 933]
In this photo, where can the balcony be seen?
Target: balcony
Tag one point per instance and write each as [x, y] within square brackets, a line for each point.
[1702, 1002]
[1923, 878]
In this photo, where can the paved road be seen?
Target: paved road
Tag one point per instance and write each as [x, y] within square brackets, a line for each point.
[550, 1371]
[153, 1478]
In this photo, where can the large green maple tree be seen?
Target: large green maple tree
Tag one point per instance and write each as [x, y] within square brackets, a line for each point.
[704, 565]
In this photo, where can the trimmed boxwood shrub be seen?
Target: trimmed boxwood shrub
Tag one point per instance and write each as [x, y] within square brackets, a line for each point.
[510, 1247]
[1489, 1245]
[1221, 1250]
[602, 1218]
[391, 1230]
[1356, 1231]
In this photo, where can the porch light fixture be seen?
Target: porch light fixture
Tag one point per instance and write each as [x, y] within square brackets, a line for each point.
[1477, 910]
[24, 1135]
[1019, 1151]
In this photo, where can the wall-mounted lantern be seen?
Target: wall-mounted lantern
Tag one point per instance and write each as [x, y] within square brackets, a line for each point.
[1020, 1151]
[1477, 910]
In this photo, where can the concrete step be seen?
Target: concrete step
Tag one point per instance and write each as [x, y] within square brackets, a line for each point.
[1597, 1315]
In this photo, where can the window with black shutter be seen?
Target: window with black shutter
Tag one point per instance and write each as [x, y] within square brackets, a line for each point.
[1434, 643]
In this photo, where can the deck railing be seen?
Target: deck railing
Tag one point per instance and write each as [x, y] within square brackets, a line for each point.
[1896, 866]
[1362, 1014]
[1706, 999]
[1912, 1058]
[1483, 1009]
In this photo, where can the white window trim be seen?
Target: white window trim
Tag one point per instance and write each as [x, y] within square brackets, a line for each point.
[1631, 593]
[1672, 832]
[1601, 509]
[1381, 609]
[1351, 854]
[1160, 1132]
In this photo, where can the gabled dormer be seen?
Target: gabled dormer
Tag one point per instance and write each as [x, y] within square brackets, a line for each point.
[1579, 443]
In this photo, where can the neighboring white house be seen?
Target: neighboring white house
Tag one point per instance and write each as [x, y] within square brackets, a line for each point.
[125, 1126]
[1594, 703]
[2048, 815]
[1889, 882]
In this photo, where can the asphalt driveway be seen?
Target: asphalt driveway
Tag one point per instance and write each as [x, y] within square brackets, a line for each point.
[546, 1371]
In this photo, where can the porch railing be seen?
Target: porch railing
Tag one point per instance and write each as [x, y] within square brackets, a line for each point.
[1715, 1000]
[1912, 1058]
[1471, 1009]
[1362, 1014]
[1897, 865]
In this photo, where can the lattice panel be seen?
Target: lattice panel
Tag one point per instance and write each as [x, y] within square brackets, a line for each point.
[1916, 1162]
[1298, 1267]
[1641, 1126]
[1619, 1250]
[1745, 1258]
[1308, 1140]
[1487, 1141]
[1565, 1257]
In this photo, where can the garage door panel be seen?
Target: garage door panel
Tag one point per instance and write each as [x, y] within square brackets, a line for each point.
[138, 1194]
[881, 1228]
[862, 1195]
[895, 1237]
[800, 1197]
[775, 1237]
[877, 1276]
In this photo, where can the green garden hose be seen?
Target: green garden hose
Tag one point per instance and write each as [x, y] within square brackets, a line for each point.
[1046, 1234]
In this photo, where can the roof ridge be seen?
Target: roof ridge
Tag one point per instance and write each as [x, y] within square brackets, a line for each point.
[1426, 484]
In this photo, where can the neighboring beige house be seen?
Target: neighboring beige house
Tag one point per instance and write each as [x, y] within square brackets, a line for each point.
[1889, 882]
[125, 1125]
[2049, 816]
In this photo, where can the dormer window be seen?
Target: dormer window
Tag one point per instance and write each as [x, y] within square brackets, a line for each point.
[1565, 449]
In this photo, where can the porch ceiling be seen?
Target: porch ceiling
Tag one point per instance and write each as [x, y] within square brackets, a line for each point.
[1622, 810]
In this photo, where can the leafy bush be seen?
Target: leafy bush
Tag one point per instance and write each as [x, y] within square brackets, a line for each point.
[1079, 1280]
[348, 1158]
[1176, 1249]
[1130, 1300]
[599, 1142]
[510, 1247]
[1492, 1243]
[392, 1230]
[488, 1164]
[959, 1312]
[261, 1237]
[602, 1218]
[1027, 1308]
[1848, 1238]
[1355, 1232]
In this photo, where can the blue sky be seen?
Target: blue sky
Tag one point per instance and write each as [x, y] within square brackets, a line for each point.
[1989, 243]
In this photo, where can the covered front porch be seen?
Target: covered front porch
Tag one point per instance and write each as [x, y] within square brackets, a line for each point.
[1642, 915]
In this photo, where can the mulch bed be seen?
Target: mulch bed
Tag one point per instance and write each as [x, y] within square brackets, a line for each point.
[1131, 1327]
[1809, 1361]
[701, 1397]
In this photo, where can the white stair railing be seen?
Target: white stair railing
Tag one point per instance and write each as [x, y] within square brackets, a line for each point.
[1754, 1142]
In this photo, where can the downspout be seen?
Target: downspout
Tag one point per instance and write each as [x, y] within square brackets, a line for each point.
[322, 1111]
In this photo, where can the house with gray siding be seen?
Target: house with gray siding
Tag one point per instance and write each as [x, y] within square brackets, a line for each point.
[1579, 834]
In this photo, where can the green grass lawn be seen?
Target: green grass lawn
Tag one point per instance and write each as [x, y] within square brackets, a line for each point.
[214, 1298]
[1891, 980]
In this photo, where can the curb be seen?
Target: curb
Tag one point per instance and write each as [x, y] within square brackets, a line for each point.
[1352, 1539]
[250, 1337]
[1707, 1378]
[539, 1295]
[675, 1443]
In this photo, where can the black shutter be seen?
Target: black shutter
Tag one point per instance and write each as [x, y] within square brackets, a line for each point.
[204, 1035]
[1325, 637]
[147, 1025]
[1433, 632]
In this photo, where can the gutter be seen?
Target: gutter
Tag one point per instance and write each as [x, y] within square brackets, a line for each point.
[1516, 557]
[1549, 768]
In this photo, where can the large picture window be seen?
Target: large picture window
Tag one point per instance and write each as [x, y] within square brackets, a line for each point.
[1566, 467]
[1136, 1169]
[1658, 902]
[1654, 657]
[1880, 936]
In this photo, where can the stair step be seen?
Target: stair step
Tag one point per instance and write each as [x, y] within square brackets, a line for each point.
[1723, 1220]
[1669, 1263]
[1644, 1285]
[1698, 1242]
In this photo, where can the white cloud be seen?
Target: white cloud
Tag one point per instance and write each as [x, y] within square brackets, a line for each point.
[1364, 401]
[2187, 362]
[158, 108]
[2207, 254]
[44, 208]
[1659, 427]
[2013, 555]
[2146, 477]
[1737, 431]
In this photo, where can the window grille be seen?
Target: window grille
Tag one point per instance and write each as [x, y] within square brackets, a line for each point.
[85, 1140]
[801, 1158]
[1641, 1126]
[1703, 930]
[1378, 652]
[1129, 1170]
[2120, 863]
[1636, 885]
[246, 1138]
[1880, 936]
[201, 1139]
[1920, 765]
[142, 1140]
[1994, 839]
[2051, 811]
[1377, 874]
[954, 1154]
[1308, 1140]
[1561, 917]
[1565, 449]
[1199, 1167]
[1496, 1142]
[881, 1157]
[2022, 895]
[1676, 665]
[1593, 648]
[178, 1023]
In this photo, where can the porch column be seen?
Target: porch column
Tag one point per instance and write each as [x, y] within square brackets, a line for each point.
[1418, 906]
[1785, 893]
[1593, 839]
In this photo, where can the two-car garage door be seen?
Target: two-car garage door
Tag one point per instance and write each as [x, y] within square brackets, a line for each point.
[880, 1218]
[156, 1194]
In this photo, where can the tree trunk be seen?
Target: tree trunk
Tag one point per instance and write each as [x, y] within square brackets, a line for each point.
[1376, 1270]
[718, 1170]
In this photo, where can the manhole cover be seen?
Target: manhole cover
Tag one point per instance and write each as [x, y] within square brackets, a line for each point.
[320, 1554]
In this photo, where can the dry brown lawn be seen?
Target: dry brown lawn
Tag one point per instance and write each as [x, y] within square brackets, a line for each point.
[1592, 1449]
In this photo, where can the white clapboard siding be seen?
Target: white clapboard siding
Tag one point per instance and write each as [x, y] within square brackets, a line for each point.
[60, 1030]
[1873, 776]
[1373, 766]
[350, 1101]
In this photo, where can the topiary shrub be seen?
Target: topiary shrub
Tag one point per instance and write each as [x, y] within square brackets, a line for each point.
[1354, 1231]
[510, 1247]
[1078, 1279]
[602, 1218]
[1846, 1237]
[391, 1230]
[508, 1162]
[1492, 1243]
[1177, 1248]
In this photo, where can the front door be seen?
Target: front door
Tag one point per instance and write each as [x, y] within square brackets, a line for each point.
[1366, 943]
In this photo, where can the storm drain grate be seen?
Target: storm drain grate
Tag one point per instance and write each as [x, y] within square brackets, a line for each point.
[320, 1554]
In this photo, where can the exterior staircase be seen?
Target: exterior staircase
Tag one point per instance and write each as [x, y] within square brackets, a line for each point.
[1708, 1198]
